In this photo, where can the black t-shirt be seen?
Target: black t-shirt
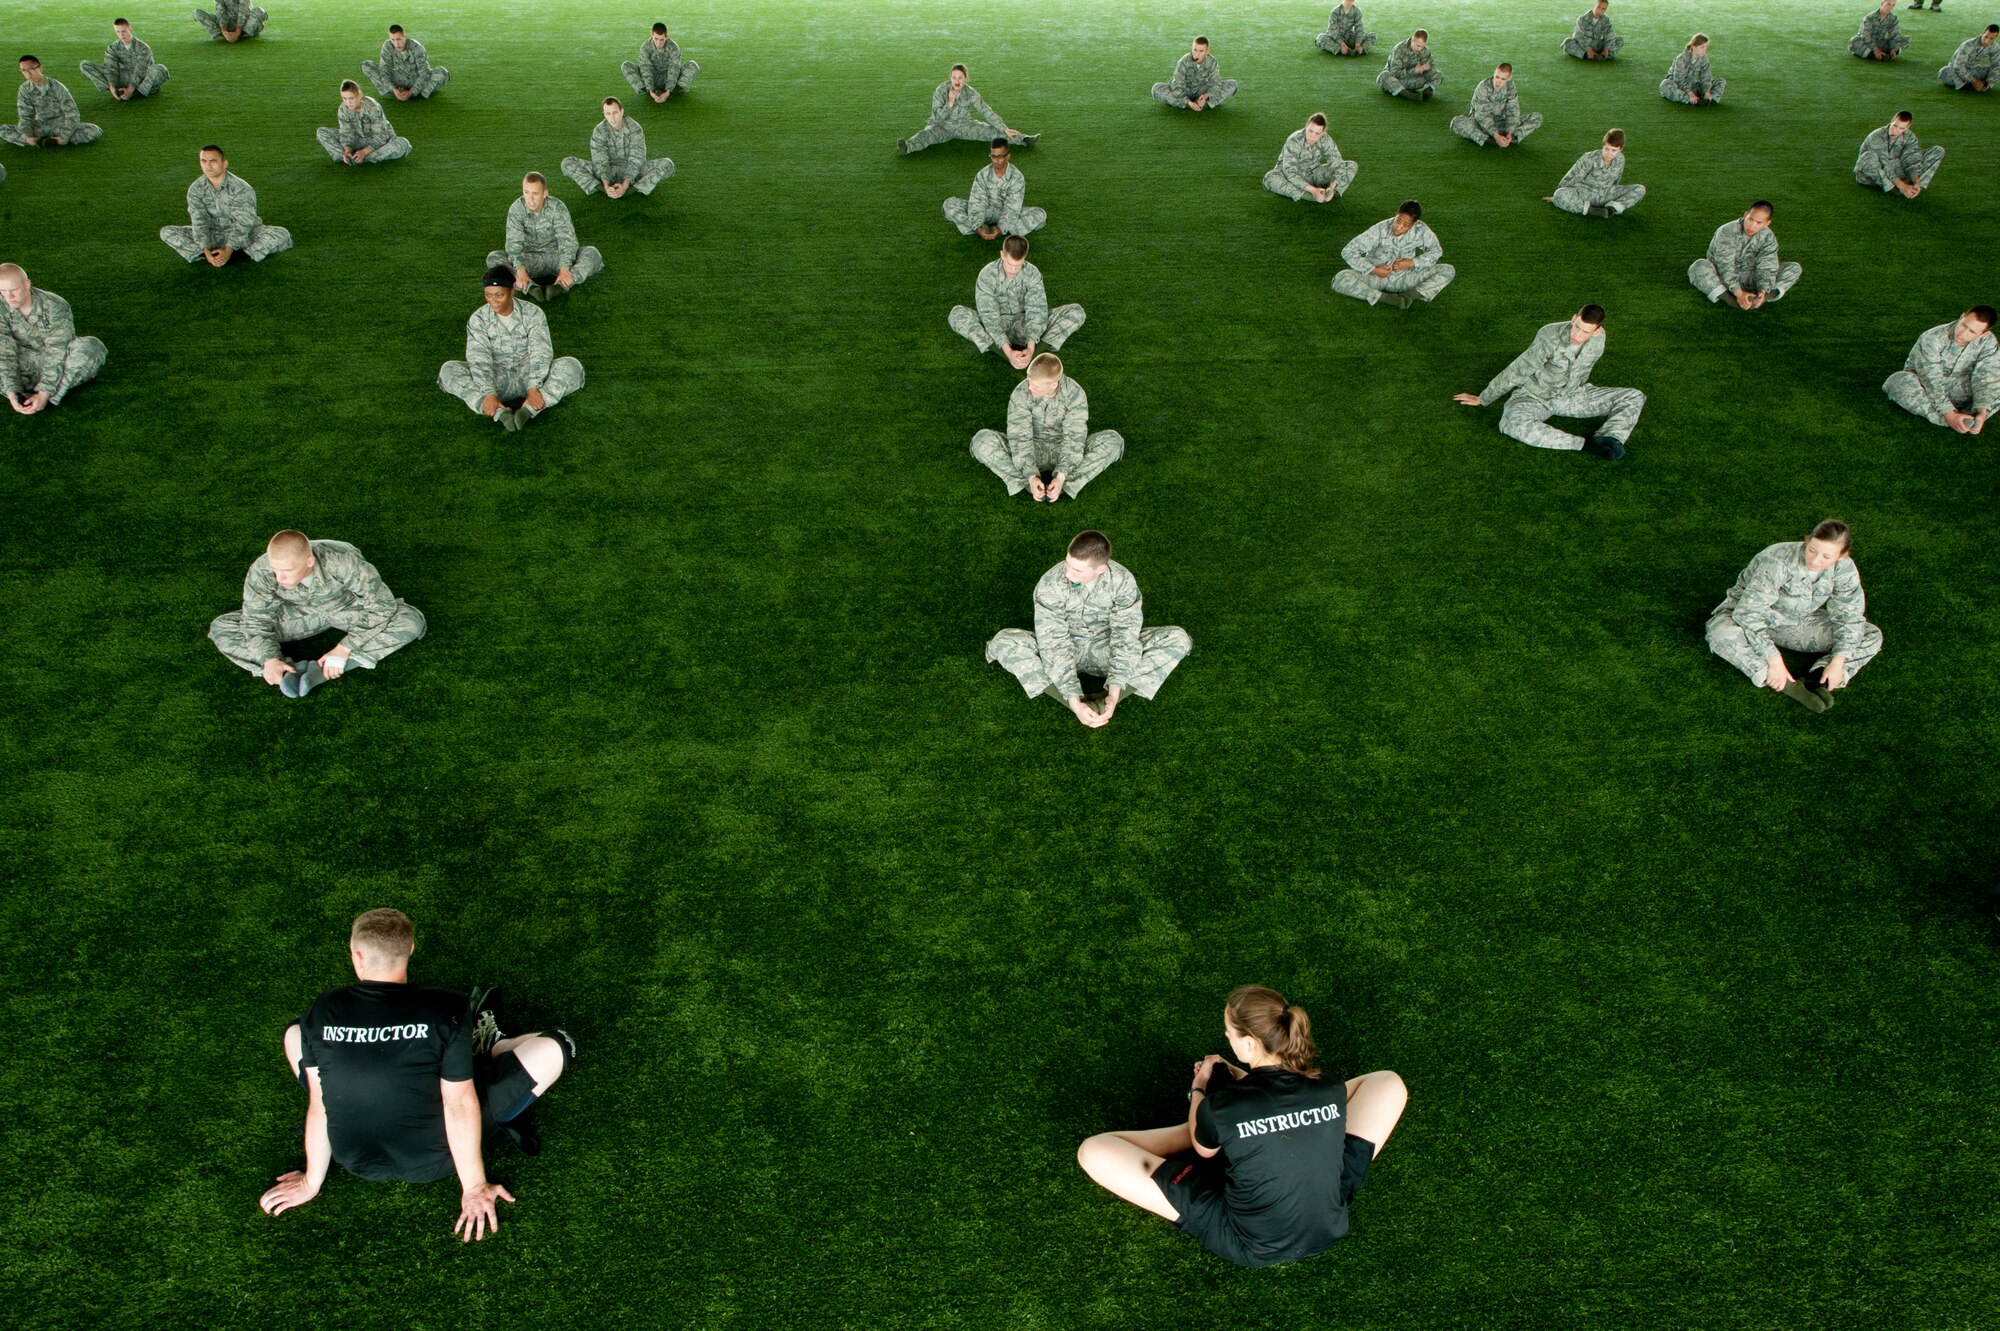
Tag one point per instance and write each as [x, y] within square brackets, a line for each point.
[381, 1050]
[1282, 1137]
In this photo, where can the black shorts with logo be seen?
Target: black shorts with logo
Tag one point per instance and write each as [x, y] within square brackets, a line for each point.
[1198, 1189]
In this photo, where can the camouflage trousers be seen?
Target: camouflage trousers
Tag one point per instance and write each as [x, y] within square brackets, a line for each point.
[264, 241]
[1727, 640]
[1859, 44]
[1340, 178]
[1330, 44]
[1868, 175]
[1467, 128]
[565, 377]
[1100, 450]
[366, 650]
[252, 25]
[76, 138]
[1410, 85]
[80, 363]
[1951, 78]
[1710, 91]
[1160, 650]
[1013, 222]
[543, 265]
[1224, 90]
[1907, 392]
[1578, 200]
[329, 139]
[952, 131]
[643, 83]
[1422, 282]
[101, 76]
[1573, 46]
[1526, 417]
[1064, 320]
[1709, 282]
[433, 79]
[580, 170]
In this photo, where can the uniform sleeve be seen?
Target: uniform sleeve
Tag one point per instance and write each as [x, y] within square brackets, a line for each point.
[1291, 166]
[939, 101]
[1986, 378]
[1183, 76]
[61, 325]
[1485, 111]
[10, 358]
[1577, 174]
[350, 127]
[1927, 363]
[541, 352]
[1762, 582]
[1429, 251]
[517, 231]
[566, 247]
[1037, 315]
[480, 359]
[634, 145]
[1355, 252]
[1020, 432]
[1585, 362]
[243, 213]
[1516, 373]
[977, 104]
[980, 201]
[1875, 158]
[457, 1062]
[1767, 260]
[986, 299]
[207, 227]
[1847, 608]
[1075, 428]
[600, 152]
[260, 614]
[1053, 644]
[24, 108]
[1722, 251]
[374, 604]
[1128, 614]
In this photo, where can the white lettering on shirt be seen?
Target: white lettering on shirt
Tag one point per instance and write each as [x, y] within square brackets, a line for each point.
[373, 1034]
[1303, 1118]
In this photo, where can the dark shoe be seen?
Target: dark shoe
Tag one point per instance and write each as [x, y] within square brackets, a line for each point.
[1805, 697]
[1403, 299]
[1604, 446]
[521, 1131]
[480, 1000]
[1595, 211]
[902, 147]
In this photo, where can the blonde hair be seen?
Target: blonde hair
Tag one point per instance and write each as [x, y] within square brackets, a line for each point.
[1047, 365]
[383, 935]
[289, 545]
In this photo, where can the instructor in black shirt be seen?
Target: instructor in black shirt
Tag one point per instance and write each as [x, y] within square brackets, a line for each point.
[1264, 1167]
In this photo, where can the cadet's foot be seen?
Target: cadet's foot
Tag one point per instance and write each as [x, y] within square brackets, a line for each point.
[1028, 140]
[521, 1131]
[485, 1033]
[508, 420]
[1814, 682]
[1402, 300]
[1604, 446]
[1409, 96]
[1805, 697]
[902, 147]
[1424, 96]
[303, 680]
[1595, 211]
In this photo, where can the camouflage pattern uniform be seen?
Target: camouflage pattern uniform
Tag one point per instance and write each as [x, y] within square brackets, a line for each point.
[1046, 435]
[48, 112]
[1778, 602]
[126, 67]
[969, 118]
[342, 592]
[233, 16]
[544, 243]
[1941, 376]
[1739, 262]
[408, 69]
[1594, 183]
[1552, 378]
[1495, 111]
[659, 68]
[1593, 33]
[365, 127]
[1301, 164]
[1692, 74]
[46, 355]
[507, 357]
[1191, 79]
[1343, 25]
[1399, 77]
[1380, 244]
[615, 155]
[1879, 32]
[1974, 59]
[1886, 159]
[1014, 311]
[225, 216]
[998, 201]
[1094, 629]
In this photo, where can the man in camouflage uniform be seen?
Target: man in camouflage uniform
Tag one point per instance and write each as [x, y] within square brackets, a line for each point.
[1048, 449]
[300, 588]
[1952, 377]
[1197, 84]
[1011, 309]
[959, 112]
[1742, 262]
[47, 113]
[1496, 112]
[1344, 33]
[1396, 260]
[1881, 36]
[1892, 159]
[222, 217]
[1806, 596]
[1411, 73]
[233, 20]
[1552, 378]
[998, 202]
[365, 134]
[1089, 619]
[1593, 38]
[1691, 79]
[509, 359]
[659, 72]
[618, 163]
[1595, 185]
[128, 70]
[541, 243]
[1974, 63]
[41, 357]
[402, 69]
[1310, 165]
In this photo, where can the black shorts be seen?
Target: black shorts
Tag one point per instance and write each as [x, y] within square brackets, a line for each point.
[1198, 1188]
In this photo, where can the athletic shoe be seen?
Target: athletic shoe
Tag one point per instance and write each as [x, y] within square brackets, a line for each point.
[1804, 696]
[485, 1033]
[1594, 210]
[1604, 446]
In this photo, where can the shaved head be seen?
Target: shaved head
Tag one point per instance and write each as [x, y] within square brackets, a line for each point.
[11, 275]
[289, 548]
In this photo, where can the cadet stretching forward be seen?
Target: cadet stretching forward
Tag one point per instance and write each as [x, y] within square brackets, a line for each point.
[1592, 38]
[1310, 165]
[41, 357]
[1893, 160]
[1048, 449]
[959, 112]
[997, 203]
[1345, 33]
[541, 243]
[1952, 376]
[298, 589]
[1552, 378]
[1397, 260]
[1881, 36]
[1595, 185]
[128, 70]
[1496, 115]
[222, 218]
[1742, 262]
[618, 163]
[1197, 84]
[659, 72]
[403, 69]
[47, 113]
[1691, 79]
[233, 20]
[1011, 309]
[511, 373]
[1805, 596]
[1411, 72]
[1974, 63]
[364, 134]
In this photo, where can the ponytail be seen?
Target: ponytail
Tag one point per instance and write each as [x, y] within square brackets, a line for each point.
[1284, 1030]
[1699, 39]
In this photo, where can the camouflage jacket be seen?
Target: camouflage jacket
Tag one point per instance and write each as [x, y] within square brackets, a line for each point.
[366, 126]
[969, 104]
[546, 232]
[1748, 263]
[1551, 368]
[48, 111]
[1380, 244]
[1100, 620]
[1304, 163]
[41, 338]
[618, 154]
[343, 587]
[1011, 307]
[224, 216]
[1951, 374]
[1047, 431]
[1778, 591]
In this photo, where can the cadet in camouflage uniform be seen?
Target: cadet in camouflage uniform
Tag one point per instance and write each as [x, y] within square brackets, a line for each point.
[959, 112]
[1089, 619]
[1892, 159]
[1742, 262]
[1048, 449]
[1310, 165]
[1881, 36]
[1806, 596]
[659, 72]
[509, 359]
[1593, 38]
[1012, 309]
[47, 113]
[1344, 34]
[1552, 378]
[222, 216]
[42, 358]
[997, 205]
[1396, 260]
[232, 20]
[1496, 112]
[1974, 63]
[402, 69]
[1691, 80]
[365, 134]
[1411, 73]
[298, 589]
[128, 70]
[618, 160]
[541, 243]
[1594, 186]
[1197, 84]
[1952, 377]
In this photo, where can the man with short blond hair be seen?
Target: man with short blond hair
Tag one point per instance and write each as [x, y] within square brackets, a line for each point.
[128, 70]
[1197, 84]
[47, 115]
[1310, 165]
[41, 357]
[233, 20]
[1952, 375]
[222, 218]
[1010, 309]
[617, 164]
[659, 72]
[1496, 115]
[997, 203]
[541, 243]
[403, 69]
[1048, 449]
[364, 134]
[300, 588]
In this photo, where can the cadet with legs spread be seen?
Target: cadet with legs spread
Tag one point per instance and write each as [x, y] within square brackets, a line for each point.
[1310, 165]
[1691, 80]
[1974, 64]
[222, 218]
[402, 69]
[41, 357]
[1089, 619]
[510, 372]
[233, 20]
[298, 589]
[365, 134]
[1595, 185]
[1397, 260]
[959, 112]
[618, 161]
[541, 243]
[997, 205]
[1411, 73]
[128, 70]
[1345, 34]
[1552, 378]
[403, 1082]
[1742, 262]
[1881, 36]
[1892, 159]
[1293, 1148]
[1048, 449]
[659, 72]
[1496, 116]
[1952, 376]
[1593, 38]
[47, 114]
[1012, 309]
[1804, 596]
[1197, 84]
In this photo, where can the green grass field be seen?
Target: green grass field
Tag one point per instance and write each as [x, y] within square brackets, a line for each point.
[1694, 990]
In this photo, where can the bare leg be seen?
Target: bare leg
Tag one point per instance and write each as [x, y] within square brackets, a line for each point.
[1122, 1163]
[294, 1048]
[1375, 1101]
[538, 1054]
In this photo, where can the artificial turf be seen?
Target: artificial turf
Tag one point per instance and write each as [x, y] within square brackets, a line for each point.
[1693, 990]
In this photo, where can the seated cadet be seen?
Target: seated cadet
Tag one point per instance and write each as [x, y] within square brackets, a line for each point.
[1552, 378]
[1806, 596]
[1742, 262]
[1048, 449]
[1593, 38]
[1344, 33]
[1691, 80]
[1496, 112]
[402, 69]
[1892, 159]
[1294, 1148]
[1881, 36]
[41, 357]
[996, 206]
[1411, 73]
[222, 218]
[1088, 620]
[510, 372]
[1595, 185]
[233, 20]
[404, 1082]
[1952, 376]
[1197, 84]
[47, 113]
[1397, 260]
[659, 72]
[365, 134]
[128, 70]
[541, 243]
[618, 161]
[1310, 165]
[959, 112]
[1974, 63]
[1011, 309]
[298, 589]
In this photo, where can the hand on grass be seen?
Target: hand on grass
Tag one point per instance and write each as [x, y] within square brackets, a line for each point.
[292, 1189]
[477, 1215]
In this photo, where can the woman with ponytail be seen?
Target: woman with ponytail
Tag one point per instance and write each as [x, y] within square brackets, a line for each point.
[1269, 1157]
